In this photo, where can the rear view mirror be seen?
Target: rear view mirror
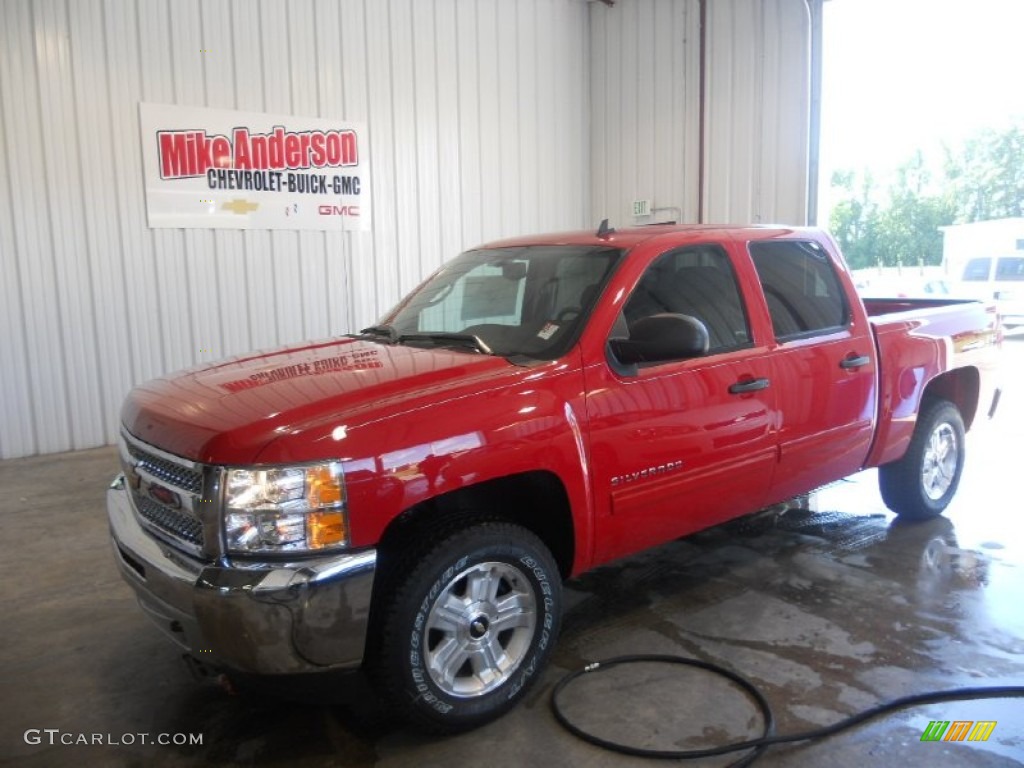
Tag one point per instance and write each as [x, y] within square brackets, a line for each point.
[513, 270]
[660, 338]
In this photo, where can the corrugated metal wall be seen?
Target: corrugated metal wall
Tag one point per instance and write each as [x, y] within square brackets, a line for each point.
[486, 118]
[645, 97]
[645, 108]
[758, 111]
[477, 113]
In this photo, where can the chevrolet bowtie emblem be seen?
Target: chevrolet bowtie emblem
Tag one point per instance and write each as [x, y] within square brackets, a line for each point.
[241, 207]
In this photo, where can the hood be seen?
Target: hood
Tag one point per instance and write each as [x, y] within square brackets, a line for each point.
[226, 413]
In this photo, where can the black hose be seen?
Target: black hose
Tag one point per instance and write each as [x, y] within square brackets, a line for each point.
[767, 738]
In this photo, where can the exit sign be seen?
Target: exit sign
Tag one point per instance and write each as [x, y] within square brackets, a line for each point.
[641, 207]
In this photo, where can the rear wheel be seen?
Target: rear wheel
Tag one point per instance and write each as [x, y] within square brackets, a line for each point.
[470, 628]
[921, 484]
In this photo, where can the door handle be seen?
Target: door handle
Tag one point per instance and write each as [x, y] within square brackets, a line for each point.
[748, 385]
[854, 361]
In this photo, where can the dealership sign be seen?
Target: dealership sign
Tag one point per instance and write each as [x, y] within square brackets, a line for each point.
[216, 168]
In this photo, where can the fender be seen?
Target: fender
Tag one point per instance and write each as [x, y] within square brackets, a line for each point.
[395, 461]
[923, 351]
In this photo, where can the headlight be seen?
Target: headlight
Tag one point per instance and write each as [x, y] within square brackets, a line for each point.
[285, 509]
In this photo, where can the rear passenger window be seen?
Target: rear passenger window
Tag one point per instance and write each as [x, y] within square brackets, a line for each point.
[977, 270]
[1010, 268]
[697, 281]
[801, 287]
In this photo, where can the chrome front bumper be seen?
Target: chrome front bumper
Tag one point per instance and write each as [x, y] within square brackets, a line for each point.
[264, 618]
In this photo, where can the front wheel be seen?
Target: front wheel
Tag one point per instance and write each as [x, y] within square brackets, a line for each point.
[470, 627]
[921, 484]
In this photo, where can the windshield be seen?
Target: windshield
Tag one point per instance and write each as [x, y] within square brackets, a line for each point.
[529, 301]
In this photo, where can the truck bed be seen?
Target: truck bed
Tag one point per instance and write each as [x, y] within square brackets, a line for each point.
[919, 340]
[878, 307]
[966, 321]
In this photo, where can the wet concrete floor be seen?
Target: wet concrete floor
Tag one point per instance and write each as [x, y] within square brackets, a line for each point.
[828, 610]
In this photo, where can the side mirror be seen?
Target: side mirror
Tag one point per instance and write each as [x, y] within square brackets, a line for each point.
[660, 338]
[513, 270]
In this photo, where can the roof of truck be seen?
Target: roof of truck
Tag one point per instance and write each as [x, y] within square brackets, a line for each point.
[627, 237]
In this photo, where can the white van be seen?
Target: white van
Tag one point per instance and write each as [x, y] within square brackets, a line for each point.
[1000, 278]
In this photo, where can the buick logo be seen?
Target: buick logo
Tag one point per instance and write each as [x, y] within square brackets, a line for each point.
[165, 496]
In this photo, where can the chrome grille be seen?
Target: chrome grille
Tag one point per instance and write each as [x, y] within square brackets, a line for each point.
[182, 477]
[173, 521]
[166, 492]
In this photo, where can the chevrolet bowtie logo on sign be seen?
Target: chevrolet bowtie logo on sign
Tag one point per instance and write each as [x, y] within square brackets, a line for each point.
[240, 207]
[958, 730]
[248, 170]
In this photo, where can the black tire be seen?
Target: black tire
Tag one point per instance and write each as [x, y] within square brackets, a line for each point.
[921, 484]
[450, 670]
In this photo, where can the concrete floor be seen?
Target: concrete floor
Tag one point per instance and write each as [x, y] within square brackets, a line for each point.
[829, 611]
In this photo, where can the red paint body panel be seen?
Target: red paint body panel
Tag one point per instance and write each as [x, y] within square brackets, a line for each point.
[674, 413]
[228, 413]
[919, 341]
[643, 458]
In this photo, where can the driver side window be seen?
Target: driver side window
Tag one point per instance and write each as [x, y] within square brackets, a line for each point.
[697, 281]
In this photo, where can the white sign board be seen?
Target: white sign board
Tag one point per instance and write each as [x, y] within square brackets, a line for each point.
[216, 168]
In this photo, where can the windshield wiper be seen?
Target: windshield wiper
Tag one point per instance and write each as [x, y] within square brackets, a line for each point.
[444, 337]
[388, 331]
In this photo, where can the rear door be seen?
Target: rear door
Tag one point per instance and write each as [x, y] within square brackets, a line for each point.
[679, 446]
[823, 370]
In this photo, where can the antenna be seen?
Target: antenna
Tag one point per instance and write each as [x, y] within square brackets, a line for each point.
[604, 230]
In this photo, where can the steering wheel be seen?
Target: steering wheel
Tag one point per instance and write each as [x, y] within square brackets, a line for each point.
[568, 312]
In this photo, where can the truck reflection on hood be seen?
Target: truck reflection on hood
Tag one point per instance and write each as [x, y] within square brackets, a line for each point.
[357, 361]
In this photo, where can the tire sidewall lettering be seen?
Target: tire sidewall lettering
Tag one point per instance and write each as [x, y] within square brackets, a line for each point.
[423, 687]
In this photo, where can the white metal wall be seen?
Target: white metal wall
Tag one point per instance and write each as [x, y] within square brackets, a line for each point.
[645, 99]
[758, 111]
[645, 116]
[477, 113]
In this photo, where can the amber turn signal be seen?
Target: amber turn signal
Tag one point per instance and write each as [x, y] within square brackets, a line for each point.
[325, 529]
[325, 487]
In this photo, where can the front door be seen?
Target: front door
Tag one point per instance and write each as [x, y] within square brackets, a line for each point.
[682, 445]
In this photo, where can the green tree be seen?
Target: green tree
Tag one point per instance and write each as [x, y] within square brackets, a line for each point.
[899, 225]
[854, 219]
[909, 224]
[987, 175]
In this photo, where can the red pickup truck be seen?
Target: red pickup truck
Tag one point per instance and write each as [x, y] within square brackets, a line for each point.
[408, 499]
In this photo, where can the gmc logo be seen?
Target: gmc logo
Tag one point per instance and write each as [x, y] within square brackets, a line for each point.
[338, 210]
